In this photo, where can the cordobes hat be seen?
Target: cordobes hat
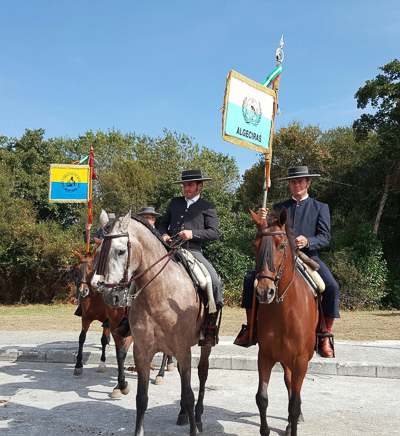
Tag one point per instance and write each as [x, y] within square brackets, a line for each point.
[192, 176]
[148, 211]
[299, 172]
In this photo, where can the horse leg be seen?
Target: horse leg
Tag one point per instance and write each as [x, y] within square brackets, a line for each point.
[288, 383]
[122, 387]
[143, 373]
[202, 371]
[170, 364]
[265, 366]
[187, 396]
[160, 375]
[104, 342]
[82, 338]
[297, 377]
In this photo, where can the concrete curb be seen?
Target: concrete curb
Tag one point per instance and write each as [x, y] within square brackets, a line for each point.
[317, 365]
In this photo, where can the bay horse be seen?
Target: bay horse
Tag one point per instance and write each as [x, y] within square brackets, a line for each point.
[287, 315]
[166, 313]
[94, 308]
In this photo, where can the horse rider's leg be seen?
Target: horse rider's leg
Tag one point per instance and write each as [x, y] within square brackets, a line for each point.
[122, 386]
[143, 359]
[160, 375]
[123, 328]
[187, 396]
[288, 383]
[105, 340]
[264, 373]
[243, 337]
[202, 370]
[82, 338]
[298, 373]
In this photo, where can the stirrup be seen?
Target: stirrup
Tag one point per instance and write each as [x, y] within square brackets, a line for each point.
[321, 336]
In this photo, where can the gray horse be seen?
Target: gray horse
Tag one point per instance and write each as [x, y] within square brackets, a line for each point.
[166, 313]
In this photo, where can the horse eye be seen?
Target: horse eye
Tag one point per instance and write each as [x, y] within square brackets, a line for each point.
[121, 252]
[282, 247]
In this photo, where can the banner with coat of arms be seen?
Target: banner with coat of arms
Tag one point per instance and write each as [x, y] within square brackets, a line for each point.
[248, 113]
[69, 183]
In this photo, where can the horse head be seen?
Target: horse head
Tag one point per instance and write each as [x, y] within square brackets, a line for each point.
[271, 248]
[85, 272]
[115, 264]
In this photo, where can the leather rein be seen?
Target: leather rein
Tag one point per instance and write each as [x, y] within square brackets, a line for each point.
[124, 282]
[277, 278]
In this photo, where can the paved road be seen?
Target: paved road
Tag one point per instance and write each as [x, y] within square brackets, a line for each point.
[357, 393]
[46, 399]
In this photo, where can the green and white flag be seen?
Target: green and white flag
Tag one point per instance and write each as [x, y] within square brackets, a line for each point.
[273, 76]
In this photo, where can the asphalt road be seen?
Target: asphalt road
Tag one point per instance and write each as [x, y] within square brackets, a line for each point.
[47, 399]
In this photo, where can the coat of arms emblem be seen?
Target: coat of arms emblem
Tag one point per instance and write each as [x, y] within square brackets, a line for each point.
[251, 110]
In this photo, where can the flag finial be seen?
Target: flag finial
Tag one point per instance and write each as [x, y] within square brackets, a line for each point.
[279, 55]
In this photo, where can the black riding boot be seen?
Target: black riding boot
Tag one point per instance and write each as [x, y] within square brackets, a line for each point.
[78, 311]
[210, 330]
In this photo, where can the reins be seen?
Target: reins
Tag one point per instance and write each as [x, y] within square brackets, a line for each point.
[124, 283]
[266, 250]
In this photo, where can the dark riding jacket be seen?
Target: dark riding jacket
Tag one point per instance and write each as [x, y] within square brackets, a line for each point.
[200, 218]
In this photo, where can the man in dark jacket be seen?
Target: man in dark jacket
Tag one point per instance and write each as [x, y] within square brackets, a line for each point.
[195, 221]
[310, 220]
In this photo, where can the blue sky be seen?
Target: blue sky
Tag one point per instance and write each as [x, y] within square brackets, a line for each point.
[74, 66]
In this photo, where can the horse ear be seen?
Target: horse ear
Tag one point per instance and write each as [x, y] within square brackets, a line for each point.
[256, 219]
[97, 240]
[78, 255]
[125, 222]
[103, 218]
[283, 216]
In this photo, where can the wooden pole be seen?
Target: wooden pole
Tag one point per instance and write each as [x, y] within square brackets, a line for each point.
[90, 212]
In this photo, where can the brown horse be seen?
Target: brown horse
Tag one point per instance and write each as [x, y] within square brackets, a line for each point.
[165, 315]
[287, 316]
[94, 308]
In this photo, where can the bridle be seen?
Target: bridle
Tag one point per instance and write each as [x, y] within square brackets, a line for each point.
[124, 282]
[266, 251]
[83, 274]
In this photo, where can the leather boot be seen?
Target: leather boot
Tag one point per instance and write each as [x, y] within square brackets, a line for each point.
[78, 311]
[210, 332]
[243, 338]
[326, 348]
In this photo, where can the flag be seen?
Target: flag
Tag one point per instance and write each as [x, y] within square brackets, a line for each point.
[273, 76]
[69, 183]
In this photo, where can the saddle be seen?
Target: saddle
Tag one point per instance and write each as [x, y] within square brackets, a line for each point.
[199, 275]
[308, 269]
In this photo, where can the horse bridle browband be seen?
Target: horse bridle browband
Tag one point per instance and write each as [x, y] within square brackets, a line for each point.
[277, 278]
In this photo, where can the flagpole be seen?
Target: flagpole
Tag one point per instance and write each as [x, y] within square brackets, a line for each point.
[90, 212]
[268, 158]
[275, 86]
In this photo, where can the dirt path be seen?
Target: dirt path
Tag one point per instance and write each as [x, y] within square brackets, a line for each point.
[359, 326]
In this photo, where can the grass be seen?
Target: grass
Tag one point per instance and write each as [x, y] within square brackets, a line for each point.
[356, 325]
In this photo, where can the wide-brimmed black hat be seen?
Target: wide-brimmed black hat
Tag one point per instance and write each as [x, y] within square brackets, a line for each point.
[192, 176]
[299, 172]
[148, 211]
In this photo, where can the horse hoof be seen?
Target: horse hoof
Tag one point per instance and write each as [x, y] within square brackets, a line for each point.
[199, 426]
[102, 367]
[170, 366]
[182, 419]
[116, 393]
[288, 430]
[159, 380]
[126, 390]
[78, 371]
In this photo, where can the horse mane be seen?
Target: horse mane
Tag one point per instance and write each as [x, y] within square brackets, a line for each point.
[289, 233]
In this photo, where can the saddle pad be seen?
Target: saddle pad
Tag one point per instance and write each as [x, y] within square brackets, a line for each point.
[203, 277]
[313, 278]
